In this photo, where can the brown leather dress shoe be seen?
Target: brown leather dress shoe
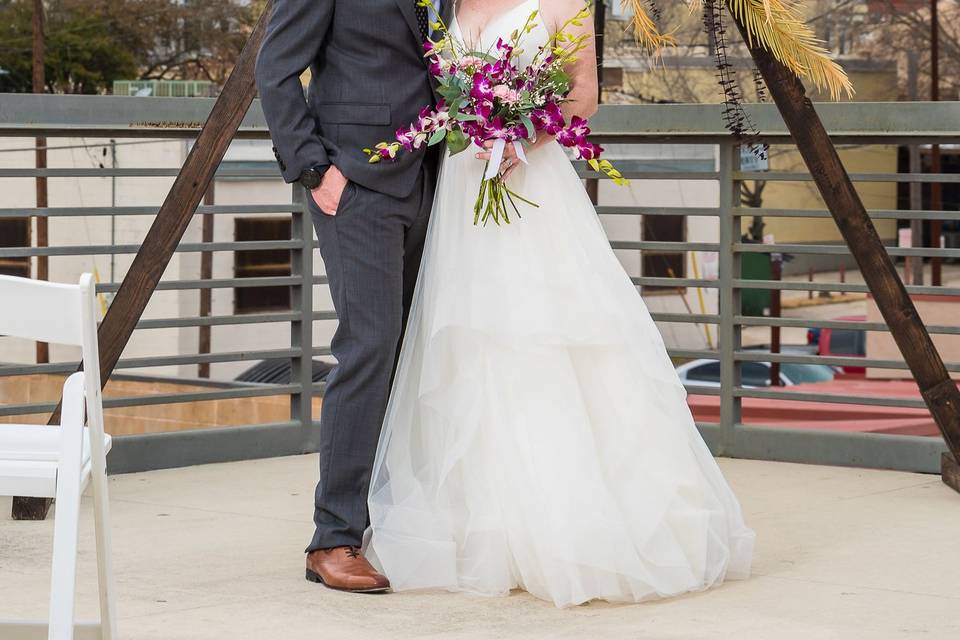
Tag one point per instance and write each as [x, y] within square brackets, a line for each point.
[345, 569]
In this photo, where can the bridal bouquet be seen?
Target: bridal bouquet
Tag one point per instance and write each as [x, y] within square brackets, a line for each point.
[487, 96]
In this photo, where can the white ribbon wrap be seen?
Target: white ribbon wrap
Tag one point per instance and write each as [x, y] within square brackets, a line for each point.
[518, 147]
[496, 157]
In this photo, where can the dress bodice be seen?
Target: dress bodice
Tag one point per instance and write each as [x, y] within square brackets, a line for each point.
[501, 26]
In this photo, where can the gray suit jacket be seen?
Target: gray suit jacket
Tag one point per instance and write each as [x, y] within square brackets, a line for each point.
[369, 78]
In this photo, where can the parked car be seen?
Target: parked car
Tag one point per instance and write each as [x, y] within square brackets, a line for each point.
[841, 342]
[706, 373]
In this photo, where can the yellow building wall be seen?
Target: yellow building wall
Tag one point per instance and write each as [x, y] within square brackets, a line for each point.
[680, 81]
[804, 195]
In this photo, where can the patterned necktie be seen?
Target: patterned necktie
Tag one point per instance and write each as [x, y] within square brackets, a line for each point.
[423, 19]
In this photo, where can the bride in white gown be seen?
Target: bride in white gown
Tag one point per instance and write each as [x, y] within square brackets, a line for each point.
[537, 435]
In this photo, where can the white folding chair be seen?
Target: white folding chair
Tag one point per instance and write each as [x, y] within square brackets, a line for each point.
[59, 462]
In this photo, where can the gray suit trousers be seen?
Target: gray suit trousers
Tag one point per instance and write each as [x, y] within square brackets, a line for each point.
[372, 250]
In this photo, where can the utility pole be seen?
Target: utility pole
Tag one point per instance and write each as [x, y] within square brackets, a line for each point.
[936, 189]
[39, 86]
[914, 264]
[30, 508]
[206, 273]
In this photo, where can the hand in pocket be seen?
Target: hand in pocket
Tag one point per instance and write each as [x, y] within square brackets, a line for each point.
[327, 195]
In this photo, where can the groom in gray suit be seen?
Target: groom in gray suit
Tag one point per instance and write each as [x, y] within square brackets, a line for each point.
[368, 78]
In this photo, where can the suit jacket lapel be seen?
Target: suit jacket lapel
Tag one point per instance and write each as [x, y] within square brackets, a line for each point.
[446, 11]
[410, 15]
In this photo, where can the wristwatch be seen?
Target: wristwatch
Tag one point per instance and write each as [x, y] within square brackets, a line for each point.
[311, 178]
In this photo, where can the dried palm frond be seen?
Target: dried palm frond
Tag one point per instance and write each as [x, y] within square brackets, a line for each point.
[775, 25]
[645, 28]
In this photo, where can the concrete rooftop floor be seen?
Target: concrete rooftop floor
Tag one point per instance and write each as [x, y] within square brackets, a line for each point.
[215, 552]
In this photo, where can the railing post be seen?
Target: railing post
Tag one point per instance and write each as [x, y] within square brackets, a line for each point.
[729, 296]
[301, 330]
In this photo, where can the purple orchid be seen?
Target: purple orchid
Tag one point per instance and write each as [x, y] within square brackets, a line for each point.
[484, 108]
[482, 87]
[549, 118]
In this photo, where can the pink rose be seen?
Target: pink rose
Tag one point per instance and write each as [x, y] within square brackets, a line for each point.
[505, 94]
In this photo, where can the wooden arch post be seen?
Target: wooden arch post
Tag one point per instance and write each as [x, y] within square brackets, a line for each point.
[170, 224]
[819, 154]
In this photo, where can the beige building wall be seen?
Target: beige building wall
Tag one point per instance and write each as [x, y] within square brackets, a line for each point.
[130, 230]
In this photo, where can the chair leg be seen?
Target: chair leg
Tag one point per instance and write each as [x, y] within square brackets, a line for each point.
[66, 531]
[101, 512]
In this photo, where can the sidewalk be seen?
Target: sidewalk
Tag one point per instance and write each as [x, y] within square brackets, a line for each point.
[795, 303]
[214, 552]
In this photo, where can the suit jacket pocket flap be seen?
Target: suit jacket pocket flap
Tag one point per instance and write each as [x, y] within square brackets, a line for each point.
[352, 113]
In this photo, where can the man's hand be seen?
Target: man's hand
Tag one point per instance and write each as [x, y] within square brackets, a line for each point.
[328, 194]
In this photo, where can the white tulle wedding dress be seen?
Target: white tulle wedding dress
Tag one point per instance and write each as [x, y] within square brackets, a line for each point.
[537, 435]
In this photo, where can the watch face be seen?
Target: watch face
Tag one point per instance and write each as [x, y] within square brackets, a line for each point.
[310, 179]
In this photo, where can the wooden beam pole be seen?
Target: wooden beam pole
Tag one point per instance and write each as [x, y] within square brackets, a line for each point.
[38, 506]
[939, 392]
[170, 224]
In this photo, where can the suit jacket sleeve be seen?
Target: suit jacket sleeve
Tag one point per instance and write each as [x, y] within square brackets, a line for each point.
[295, 35]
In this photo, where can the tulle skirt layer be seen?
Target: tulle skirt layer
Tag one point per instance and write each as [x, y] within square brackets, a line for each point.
[537, 435]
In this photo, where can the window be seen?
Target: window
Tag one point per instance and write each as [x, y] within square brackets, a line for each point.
[754, 374]
[261, 264]
[800, 373]
[663, 264]
[848, 342]
[15, 232]
[709, 372]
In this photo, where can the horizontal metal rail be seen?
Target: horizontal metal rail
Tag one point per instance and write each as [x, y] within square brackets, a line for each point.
[840, 250]
[93, 211]
[833, 361]
[696, 318]
[703, 212]
[673, 283]
[154, 361]
[837, 287]
[179, 119]
[215, 283]
[118, 249]
[830, 398]
[783, 176]
[803, 323]
[143, 172]
[649, 245]
[162, 399]
[876, 214]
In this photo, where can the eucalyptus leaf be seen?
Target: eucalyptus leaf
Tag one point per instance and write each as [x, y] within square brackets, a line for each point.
[528, 123]
[457, 142]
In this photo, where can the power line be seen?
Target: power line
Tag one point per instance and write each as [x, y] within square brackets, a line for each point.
[84, 146]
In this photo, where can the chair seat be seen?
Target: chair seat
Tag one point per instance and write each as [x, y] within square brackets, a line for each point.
[28, 459]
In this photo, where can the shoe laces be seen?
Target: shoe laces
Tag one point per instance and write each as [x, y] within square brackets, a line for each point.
[353, 552]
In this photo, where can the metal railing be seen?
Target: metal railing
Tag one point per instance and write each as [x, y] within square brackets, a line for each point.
[866, 124]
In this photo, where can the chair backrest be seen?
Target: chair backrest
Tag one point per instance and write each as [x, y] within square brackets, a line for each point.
[42, 311]
[58, 313]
